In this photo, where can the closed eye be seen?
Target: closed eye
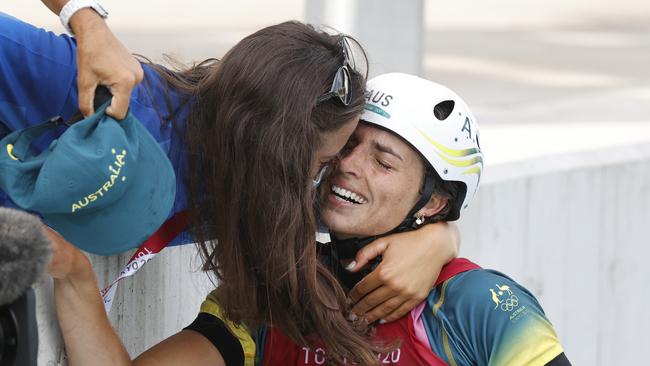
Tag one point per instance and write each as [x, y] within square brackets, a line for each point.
[384, 165]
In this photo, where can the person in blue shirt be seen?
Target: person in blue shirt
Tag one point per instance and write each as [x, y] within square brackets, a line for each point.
[246, 136]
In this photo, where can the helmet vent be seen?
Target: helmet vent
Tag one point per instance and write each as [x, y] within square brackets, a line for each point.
[443, 109]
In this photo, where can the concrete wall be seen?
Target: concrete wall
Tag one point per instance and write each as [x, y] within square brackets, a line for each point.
[574, 230]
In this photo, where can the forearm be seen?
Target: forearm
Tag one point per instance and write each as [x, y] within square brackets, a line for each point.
[88, 335]
[83, 18]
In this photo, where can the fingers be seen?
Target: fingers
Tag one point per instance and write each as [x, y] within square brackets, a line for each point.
[122, 88]
[386, 308]
[388, 311]
[67, 261]
[61, 260]
[373, 300]
[365, 286]
[86, 95]
[56, 239]
[368, 253]
[382, 295]
[401, 311]
[119, 104]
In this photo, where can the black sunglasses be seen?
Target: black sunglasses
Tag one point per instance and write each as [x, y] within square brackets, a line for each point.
[341, 84]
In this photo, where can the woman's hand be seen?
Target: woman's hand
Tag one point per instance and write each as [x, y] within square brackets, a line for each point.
[67, 261]
[88, 335]
[411, 263]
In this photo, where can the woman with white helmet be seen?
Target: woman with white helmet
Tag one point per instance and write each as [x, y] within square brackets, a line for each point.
[415, 158]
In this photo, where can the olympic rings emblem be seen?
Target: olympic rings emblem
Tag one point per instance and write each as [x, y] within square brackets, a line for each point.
[510, 304]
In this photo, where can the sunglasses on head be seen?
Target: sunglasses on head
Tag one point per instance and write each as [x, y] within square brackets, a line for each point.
[341, 84]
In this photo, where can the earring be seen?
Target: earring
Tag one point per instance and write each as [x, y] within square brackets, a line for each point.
[419, 220]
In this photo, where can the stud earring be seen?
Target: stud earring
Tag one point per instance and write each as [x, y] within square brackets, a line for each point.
[419, 220]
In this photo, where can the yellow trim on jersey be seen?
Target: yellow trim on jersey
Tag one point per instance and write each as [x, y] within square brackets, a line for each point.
[211, 307]
[545, 351]
[445, 337]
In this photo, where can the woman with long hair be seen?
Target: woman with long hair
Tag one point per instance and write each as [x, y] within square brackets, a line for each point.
[246, 135]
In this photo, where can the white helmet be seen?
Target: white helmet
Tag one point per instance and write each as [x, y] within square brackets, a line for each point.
[435, 121]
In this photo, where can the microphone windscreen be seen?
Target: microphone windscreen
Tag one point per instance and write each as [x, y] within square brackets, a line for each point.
[25, 250]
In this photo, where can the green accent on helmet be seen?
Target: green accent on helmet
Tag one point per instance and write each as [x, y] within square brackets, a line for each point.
[449, 151]
[375, 109]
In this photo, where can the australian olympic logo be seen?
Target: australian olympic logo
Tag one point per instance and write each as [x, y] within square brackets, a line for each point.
[503, 298]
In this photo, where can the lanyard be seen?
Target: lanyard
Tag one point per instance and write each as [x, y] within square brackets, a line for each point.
[152, 246]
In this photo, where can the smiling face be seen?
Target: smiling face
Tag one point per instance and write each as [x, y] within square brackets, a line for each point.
[374, 186]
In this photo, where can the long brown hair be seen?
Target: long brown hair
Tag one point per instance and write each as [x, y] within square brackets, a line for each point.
[252, 135]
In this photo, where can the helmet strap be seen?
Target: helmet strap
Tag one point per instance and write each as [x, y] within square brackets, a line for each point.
[427, 191]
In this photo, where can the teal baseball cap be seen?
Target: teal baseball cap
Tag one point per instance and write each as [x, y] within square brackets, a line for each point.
[104, 185]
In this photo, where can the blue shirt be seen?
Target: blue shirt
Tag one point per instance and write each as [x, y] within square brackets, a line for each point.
[38, 81]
